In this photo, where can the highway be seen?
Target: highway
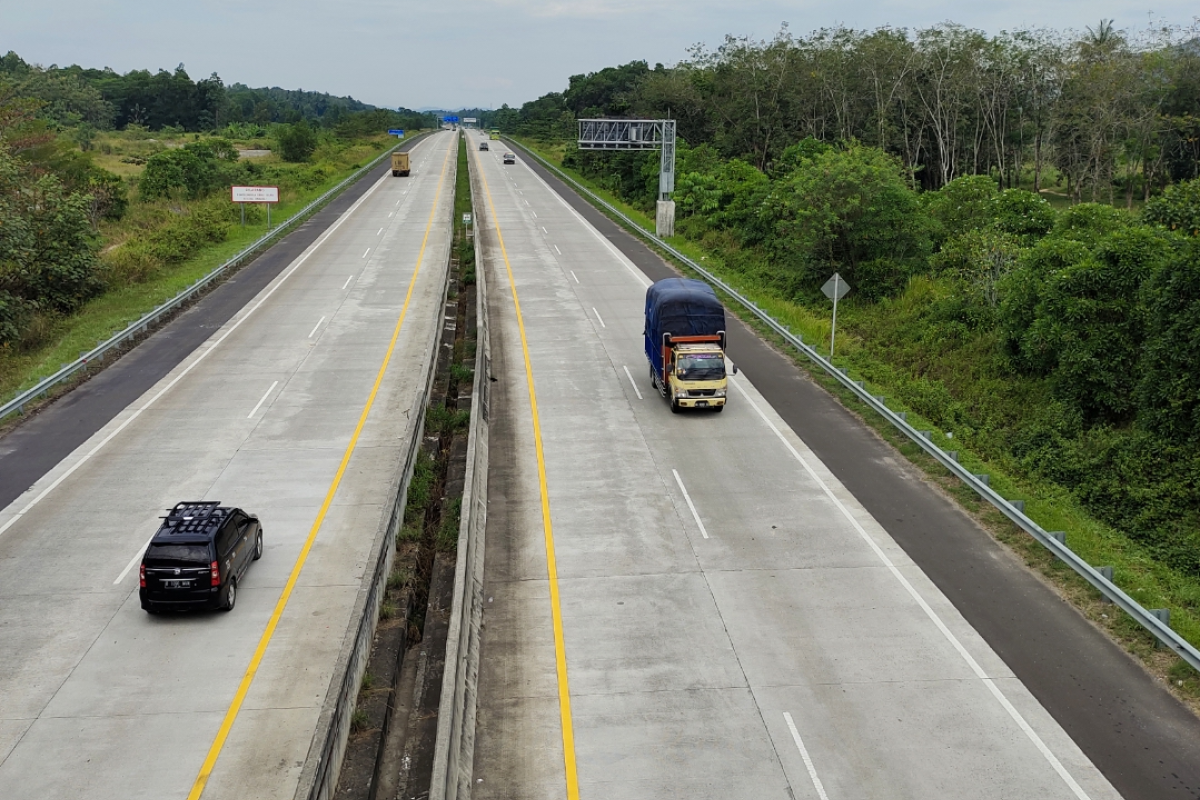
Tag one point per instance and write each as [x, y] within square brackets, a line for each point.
[693, 605]
[295, 409]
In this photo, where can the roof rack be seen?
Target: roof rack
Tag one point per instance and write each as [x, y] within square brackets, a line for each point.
[194, 516]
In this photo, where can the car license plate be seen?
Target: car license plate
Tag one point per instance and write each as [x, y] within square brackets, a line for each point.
[701, 403]
[177, 584]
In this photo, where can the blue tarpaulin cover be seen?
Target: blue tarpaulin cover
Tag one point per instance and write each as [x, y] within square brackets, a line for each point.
[680, 307]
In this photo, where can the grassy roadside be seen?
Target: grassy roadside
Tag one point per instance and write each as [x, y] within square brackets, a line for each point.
[102, 316]
[1147, 581]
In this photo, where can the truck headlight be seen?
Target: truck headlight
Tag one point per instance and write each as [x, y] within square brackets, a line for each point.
[719, 393]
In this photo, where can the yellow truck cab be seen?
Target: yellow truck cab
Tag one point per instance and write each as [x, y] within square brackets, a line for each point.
[399, 164]
[697, 376]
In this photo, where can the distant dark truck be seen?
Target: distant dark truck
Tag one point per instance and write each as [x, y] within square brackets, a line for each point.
[685, 343]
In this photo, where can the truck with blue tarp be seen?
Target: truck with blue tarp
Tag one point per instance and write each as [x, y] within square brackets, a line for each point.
[685, 343]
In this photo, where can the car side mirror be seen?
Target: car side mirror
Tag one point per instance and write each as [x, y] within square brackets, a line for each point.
[734, 368]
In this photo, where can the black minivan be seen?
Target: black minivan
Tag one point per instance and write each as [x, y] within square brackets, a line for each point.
[197, 556]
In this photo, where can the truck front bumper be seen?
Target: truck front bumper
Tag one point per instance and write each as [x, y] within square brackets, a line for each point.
[700, 402]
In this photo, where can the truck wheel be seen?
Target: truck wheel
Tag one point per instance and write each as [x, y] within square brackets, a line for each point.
[718, 409]
[674, 404]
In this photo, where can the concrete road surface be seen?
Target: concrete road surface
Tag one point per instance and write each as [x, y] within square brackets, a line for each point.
[99, 699]
[706, 611]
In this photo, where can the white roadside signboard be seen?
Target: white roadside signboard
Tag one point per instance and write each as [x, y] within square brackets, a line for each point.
[255, 194]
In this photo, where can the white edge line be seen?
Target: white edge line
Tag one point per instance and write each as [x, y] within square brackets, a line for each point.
[133, 562]
[264, 399]
[303, 257]
[688, 499]
[379, 231]
[597, 313]
[364, 255]
[573, 275]
[347, 283]
[314, 330]
[633, 383]
[812, 771]
[557, 250]
[1072, 784]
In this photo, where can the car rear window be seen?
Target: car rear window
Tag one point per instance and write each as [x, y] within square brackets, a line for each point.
[184, 553]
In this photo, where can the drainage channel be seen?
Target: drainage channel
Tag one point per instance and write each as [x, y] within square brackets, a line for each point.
[389, 754]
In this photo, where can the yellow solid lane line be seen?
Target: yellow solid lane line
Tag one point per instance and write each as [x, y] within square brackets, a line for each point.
[560, 651]
[214, 751]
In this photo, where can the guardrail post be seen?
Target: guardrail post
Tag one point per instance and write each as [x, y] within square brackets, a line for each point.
[861, 384]
[1061, 538]
[1019, 505]
[926, 434]
[1107, 574]
[984, 478]
[880, 398]
[953, 454]
[903, 415]
[1164, 616]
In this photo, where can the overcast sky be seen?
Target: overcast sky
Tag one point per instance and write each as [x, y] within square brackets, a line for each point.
[467, 53]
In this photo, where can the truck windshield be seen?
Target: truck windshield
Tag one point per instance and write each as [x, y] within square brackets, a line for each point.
[701, 367]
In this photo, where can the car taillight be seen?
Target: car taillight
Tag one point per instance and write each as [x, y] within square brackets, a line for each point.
[216, 575]
[143, 575]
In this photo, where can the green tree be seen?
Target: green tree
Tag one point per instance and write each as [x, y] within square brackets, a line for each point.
[195, 170]
[1178, 209]
[1088, 327]
[296, 142]
[962, 205]
[1169, 388]
[47, 251]
[852, 211]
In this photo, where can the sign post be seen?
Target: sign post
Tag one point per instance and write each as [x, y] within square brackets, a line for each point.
[268, 195]
[835, 289]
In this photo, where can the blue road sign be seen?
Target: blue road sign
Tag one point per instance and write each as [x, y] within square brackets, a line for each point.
[449, 119]
[395, 132]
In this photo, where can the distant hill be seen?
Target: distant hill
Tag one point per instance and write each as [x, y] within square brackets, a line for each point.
[104, 98]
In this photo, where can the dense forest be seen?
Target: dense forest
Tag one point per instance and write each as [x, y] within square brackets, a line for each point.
[1019, 216]
[1108, 113]
[103, 99]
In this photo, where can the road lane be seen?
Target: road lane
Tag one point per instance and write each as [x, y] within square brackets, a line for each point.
[100, 699]
[694, 623]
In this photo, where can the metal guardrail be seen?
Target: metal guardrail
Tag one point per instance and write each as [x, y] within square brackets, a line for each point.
[140, 326]
[454, 748]
[318, 778]
[1155, 621]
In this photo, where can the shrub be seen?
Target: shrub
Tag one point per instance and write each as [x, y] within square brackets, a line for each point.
[296, 142]
[962, 205]
[1169, 389]
[1178, 209]
[1022, 214]
[195, 170]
